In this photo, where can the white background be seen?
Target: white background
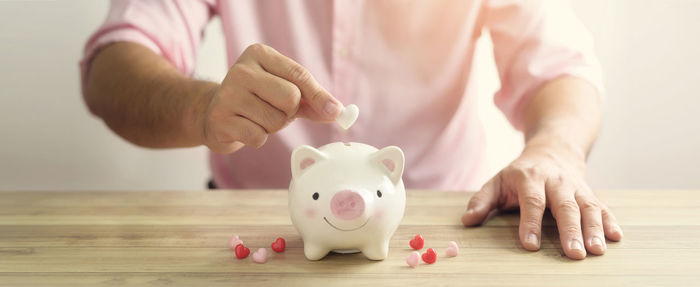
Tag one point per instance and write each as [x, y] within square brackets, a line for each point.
[48, 140]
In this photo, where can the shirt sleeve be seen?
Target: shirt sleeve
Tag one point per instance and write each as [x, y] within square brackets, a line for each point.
[536, 41]
[172, 29]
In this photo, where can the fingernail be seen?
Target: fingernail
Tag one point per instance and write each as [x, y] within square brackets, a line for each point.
[619, 229]
[532, 239]
[575, 245]
[331, 108]
[597, 242]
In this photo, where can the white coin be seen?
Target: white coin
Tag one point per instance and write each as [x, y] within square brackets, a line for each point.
[348, 116]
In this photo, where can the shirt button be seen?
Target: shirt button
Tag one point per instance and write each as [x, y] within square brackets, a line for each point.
[343, 52]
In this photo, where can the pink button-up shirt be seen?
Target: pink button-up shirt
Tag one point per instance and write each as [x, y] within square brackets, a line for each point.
[406, 64]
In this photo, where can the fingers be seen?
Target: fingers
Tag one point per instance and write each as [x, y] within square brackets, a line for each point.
[612, 229]
[260, 112]
[592, 222]
[482, 203]
[231, 130]
[325, 105]
[308, 112]
[531, 196]
[566, 212]
[280, 93]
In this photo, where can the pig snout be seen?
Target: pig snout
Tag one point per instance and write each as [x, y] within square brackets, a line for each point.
[347, 205]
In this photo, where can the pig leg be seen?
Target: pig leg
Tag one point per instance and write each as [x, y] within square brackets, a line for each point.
[377, 251]
[313, 251]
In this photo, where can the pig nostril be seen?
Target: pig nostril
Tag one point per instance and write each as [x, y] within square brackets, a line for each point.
[347, 205]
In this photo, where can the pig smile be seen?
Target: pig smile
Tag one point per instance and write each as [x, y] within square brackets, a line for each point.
[352, 229]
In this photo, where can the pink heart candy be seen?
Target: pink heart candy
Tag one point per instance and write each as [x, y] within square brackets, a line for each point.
[234, 241]
[413, 259]
[452, 249]
[260, 256]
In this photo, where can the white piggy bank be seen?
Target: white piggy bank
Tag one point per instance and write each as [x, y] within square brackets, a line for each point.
[346, 197]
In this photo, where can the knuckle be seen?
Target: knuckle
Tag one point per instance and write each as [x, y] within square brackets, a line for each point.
[241, 71]
[534, 171]
[316, 95]
[257, 49]
[266, 119]
[223, 136]
[567, 205]
[522, 172]
[246, 133]
[274, 128]
[556, 179]
[594, 226]
[290, 103]
[572, 230]
[299, 74]
[275, 121]
[259, 139]
[591, 205]
[513, 171]
[253, 136]
[537, 200]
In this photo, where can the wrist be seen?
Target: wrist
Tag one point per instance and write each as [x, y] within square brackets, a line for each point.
[556, 143]
[572, 136]
[194, 120]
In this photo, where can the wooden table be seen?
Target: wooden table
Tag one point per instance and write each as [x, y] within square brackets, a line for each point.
[180, 238]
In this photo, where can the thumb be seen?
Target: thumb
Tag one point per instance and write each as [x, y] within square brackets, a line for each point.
[319, 105]
[308, 112]
[482, 203]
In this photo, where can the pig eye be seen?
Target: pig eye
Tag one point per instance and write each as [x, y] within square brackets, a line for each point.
[315, 196]
[379, 193]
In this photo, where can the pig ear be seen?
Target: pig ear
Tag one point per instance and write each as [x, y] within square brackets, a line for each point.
[303, 157]
[391, 160]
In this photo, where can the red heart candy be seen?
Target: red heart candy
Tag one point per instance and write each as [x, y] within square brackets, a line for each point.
[278, 245]
[417, 242]
[429, 256]
[241, 251]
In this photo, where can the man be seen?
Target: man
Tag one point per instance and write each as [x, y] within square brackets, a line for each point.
[406, 64]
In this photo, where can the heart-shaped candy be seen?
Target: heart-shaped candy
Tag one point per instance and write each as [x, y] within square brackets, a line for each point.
[278, 245]
[241, 251]
[348, 116]
[234, 241]
[429, 256]
[417, 242]
[260, 256]
[452, 249]
[412, 259]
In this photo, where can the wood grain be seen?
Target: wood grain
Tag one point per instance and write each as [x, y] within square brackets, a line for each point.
[180, 238]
